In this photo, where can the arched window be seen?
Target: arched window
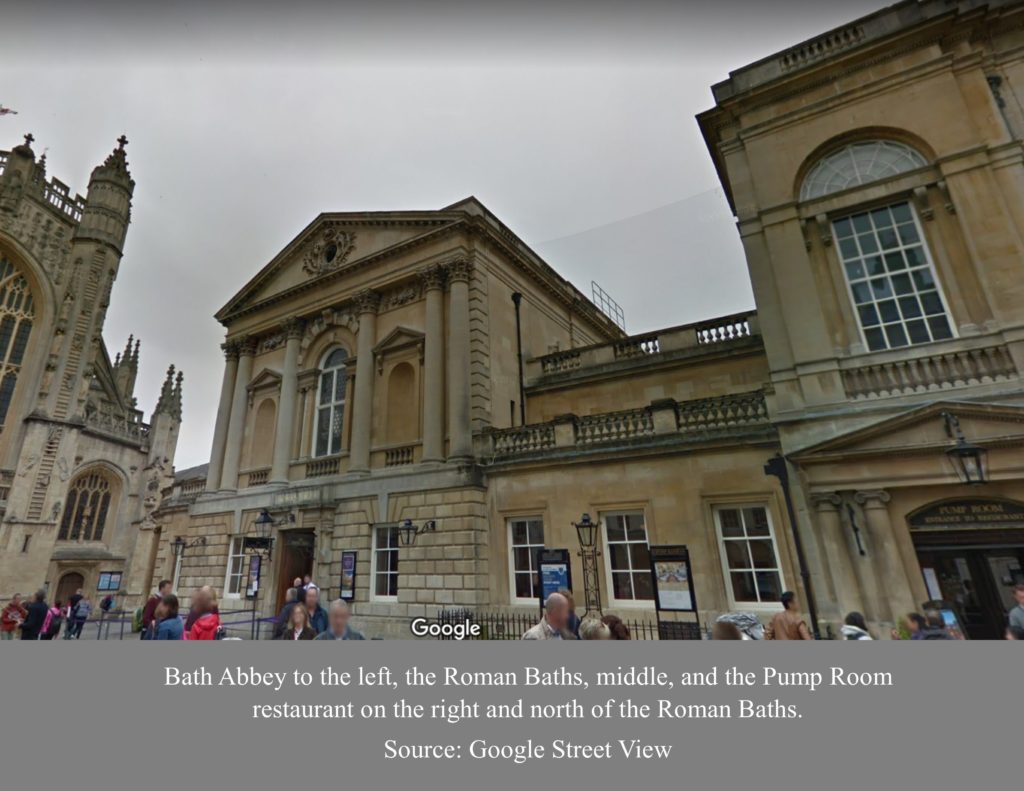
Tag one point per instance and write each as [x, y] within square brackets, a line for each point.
[16, 314]
[859, 163]
[85, 512]
[330, 411]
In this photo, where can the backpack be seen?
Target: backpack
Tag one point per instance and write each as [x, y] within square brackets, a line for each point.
[54, 629]
[137, 620]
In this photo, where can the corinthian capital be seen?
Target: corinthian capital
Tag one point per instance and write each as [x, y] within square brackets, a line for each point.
[293, 328]
[432, 277]
[367, 301]
[246, 346]
[230, 349]
[459, 270]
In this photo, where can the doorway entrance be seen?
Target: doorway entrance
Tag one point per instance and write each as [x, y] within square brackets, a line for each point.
[67, 586]
[297, 547]
[971, 553]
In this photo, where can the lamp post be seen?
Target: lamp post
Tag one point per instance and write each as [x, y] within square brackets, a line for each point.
[261, 545]
[586, 532]
[407, 531]
[969, 460]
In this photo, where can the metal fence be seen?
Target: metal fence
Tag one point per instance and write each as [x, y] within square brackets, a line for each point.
[117, 625]
[512, 625]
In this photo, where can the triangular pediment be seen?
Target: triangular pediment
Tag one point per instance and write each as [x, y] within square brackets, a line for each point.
[334, 244]
[923, 430]
[399, 338]
[265, 379]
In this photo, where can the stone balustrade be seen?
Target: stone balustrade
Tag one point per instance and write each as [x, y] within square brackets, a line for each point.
[125, 425]
[399, 457]
[193, 488]
[318, 468]
[257, 477]
[660, 419]
[703, 337]
[894, 374]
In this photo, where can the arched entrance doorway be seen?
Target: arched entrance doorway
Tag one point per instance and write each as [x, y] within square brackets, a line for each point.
[67, 586]
[297, 547]
[971, 552]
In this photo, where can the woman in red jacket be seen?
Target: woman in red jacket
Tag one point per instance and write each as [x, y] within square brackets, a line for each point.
[208, 622]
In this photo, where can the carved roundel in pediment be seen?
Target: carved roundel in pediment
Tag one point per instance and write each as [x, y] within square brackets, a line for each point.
[327, 250]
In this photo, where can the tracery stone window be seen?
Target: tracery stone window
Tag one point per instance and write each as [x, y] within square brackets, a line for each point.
[859, 163]
[86, 509]
[16, 314]
[330, 413]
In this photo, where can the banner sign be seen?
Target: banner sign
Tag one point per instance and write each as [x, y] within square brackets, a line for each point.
[255, 564]
[555, 571]
[348, 575]
[673, 582]
[958, 514]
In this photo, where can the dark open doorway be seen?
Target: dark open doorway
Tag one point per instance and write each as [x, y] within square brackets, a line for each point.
[297, 548]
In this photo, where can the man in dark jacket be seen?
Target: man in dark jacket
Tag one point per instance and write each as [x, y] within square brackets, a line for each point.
[290, 600]
[149, 611]
[317, 614]
[36, 615]
[935, 627]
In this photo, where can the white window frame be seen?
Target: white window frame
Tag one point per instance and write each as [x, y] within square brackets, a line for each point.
[640, 604]
[333, 406]
[512, 572]
[929, 260]
[176, 574]
[373, 564]
[238, 541]
[727, 572]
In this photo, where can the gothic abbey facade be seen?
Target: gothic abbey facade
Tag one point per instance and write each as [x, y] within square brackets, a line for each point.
[81, 473]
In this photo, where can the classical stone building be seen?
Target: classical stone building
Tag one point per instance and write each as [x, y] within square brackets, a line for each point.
[876, 175]
[372, 375]
[80, 472]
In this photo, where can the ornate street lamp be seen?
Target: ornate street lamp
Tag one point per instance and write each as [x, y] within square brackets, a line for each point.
[407, 531]
[586, 532]
[179, 545]
[969, 460]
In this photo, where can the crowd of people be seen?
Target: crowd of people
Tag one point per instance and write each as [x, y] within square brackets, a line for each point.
[560, 622]
[303, 617]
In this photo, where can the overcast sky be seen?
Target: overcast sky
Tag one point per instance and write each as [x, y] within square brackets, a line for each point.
[574, 123]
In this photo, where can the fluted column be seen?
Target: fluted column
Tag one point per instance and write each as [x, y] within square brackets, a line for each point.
[236, 426]
[433, 365]
[220, 430]
[286, 403]
[367, 303]
[830, 529]
[459, 428]
[899, 600]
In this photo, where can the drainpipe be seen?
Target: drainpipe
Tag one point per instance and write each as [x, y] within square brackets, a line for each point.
[778, 467]
[517, 299]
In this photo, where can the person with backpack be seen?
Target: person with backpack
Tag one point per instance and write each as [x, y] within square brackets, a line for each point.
[107, 604]
[207, 623]
[51, 624]
[855, 628]
[81, 615]
[72, 608]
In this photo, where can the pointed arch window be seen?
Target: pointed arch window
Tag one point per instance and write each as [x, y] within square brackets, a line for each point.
[330, 412]
[86, 509]
[859, 163]
[17, 312]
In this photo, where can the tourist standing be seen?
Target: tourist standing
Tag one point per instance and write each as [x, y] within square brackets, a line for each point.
[317, 614]
[149, 611]
[207, 622]
[81, 615]
[51, 625]
[935, 627]
[338, 628]
[617, 627]
[35, 616]
[789, 624]
[593, 629]
[855, 628]
[291, 598]
[297, 626]
[1017, 613]
[726, 630]
[168, 625]
[554, 623]
[12, 617]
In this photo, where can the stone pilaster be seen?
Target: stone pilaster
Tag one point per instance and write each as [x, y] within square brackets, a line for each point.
[367, 303]
[887, 561]
[830, 533]
[433, 365]
[460, 431]
[286, 403]
[220, 431]
[239, 408]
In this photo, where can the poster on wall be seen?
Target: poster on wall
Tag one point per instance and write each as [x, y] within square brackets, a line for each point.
[673, 582]
[555, 572]
[255, 564]
[348, 575]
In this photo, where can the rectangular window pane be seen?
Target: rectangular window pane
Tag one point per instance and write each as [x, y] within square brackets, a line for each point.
[751, 561]
[901, 269]
[628, 556]
[526, 538]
